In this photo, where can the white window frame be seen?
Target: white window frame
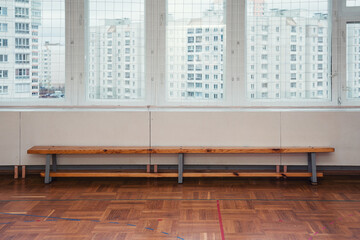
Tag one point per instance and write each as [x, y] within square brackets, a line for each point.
[245, 101]
[82, 99]
[345, 15]
[161, 99]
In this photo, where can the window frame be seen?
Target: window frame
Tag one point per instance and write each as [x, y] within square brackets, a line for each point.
[161, 100]
[331, 102]
[83, 99]
[346, 15]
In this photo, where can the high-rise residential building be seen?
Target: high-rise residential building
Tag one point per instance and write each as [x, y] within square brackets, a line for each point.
[116, 60]
[19, 63]
[26, 37]
[256, 7]
[195, 56]
[287, 55]
[35, 25]
[353, 60]
[45, 76]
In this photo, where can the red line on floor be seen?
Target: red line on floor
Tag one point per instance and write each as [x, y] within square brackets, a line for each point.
[220, 221]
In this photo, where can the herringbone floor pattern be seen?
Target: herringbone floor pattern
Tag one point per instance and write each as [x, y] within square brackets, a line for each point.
[199, 209]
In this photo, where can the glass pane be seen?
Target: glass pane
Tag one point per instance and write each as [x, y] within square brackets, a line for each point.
[32, 49]
[116, 52]
[288, 51]
[353, 60]
[195, 50]
[352, 3]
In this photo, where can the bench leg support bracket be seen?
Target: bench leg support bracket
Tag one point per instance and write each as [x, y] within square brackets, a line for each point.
[47, 169]
[312, 168]
[181, 168]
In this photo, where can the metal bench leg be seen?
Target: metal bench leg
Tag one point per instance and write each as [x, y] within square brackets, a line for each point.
[309, 162]
[47, 169]
[312, 168]
[181, 168]
[54, 163]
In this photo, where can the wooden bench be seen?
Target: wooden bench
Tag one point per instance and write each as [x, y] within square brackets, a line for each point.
[52, 151]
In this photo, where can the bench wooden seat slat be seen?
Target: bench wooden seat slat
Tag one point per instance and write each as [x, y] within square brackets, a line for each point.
[162, 150]
[87, 150]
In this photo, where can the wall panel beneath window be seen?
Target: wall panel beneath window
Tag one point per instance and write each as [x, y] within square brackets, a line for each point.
[217, 129]
[99, 128]
[9, 138]
[337, 129]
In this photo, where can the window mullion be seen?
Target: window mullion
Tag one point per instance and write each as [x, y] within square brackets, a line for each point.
[239, 27]
[159, 52]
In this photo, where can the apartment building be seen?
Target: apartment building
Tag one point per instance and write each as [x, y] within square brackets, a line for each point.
[19, 50]
[196, 56]
[287, 55]
[353, 60]
[116, 68]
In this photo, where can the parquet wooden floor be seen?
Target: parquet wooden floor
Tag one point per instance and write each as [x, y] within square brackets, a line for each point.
[199, 209]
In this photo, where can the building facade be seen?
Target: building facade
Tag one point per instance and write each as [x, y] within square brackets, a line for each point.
[288, 55]
[19, 50]
[353, 60]
[116, 60]
[195, 55]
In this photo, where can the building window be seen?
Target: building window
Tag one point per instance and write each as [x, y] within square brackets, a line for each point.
[23, 28]
[4, 73]
[3, 27]
[3, 11]
[21, 12]
[3, 43]
[3, 58]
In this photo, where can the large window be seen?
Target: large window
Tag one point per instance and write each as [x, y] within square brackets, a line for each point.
[353, 60]
[116, 49]
[352, 3]
[288, 50]
[32, 38]
[195, 50]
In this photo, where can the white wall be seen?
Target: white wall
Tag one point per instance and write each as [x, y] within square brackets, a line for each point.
[84, 128]
[22, 129]
[9, 138]
[216, 129]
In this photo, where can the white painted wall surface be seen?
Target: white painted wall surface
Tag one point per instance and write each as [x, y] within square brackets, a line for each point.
[22, 129]
[216, 129]
[82, 129]
[340, 130]
[9, 138]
